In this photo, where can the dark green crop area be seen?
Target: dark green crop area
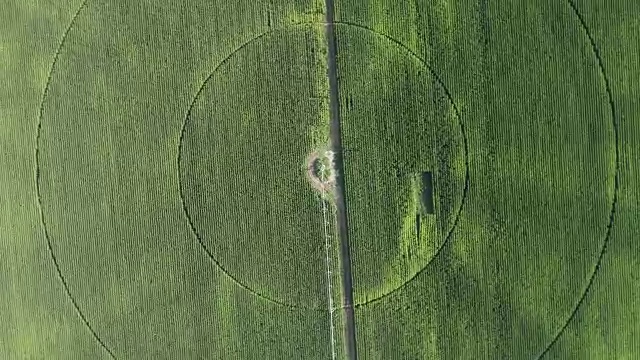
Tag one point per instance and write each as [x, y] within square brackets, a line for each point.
[171, 182]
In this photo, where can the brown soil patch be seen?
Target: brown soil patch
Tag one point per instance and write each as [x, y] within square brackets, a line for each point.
[325, 183]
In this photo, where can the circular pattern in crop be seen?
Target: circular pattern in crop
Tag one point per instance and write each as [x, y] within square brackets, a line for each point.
[405, 179]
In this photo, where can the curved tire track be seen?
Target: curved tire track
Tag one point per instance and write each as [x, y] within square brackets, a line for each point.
[605, 242]
[38, 190]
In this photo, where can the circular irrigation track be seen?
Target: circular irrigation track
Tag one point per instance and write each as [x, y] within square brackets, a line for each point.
[280, 300]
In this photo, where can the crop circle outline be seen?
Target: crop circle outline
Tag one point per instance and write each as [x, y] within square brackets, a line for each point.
[402, 48]
[616, 179]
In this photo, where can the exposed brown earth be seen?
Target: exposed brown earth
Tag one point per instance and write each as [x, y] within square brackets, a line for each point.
[316, 176]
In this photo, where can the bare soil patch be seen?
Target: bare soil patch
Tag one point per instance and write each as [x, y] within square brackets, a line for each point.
[320, 170]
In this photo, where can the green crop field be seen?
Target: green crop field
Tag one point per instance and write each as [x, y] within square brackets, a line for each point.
[319, 179]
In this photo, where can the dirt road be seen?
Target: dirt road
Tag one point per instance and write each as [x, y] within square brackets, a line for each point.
[336, 147]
